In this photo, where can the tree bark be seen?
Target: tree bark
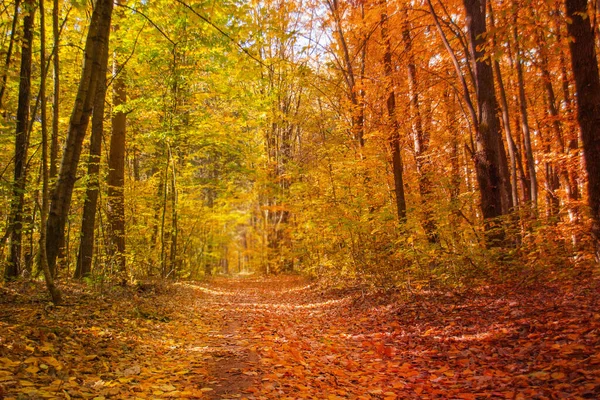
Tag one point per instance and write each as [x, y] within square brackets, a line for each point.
[420, 135]
[587, 83]
[56, 92]
[97, 38]
[116, 168]
[43, 259]
[394, 135]
[512, 147]
[525, 121]
[174, 218]
[83, 267]
[21, 145]
[489, 156]
[9, 50]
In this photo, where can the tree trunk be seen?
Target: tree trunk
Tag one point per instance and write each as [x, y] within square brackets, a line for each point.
[421, 136]
[97, 38]
[587, 84]
[43, 259]
[9, 50]
[355, 95]
[512, 147]
[174, 217]
[21, 145]
[83, 267]
[525, 130]
[116, 169]
[489, 156]
[56, 92]
[394, 136]
[572, 164]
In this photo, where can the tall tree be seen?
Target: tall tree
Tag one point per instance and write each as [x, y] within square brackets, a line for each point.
[21, 144]
[420, 134]
[97, 38]
[43, 259]
[88, 220]
[528, 149]
[116, 165]
[9, 50]
[490, 157]
[587, 83]
[394, 134]
[56, 91]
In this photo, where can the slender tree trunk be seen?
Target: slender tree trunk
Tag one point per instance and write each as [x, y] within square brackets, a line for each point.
[174, 217]
[512, 147]
[525, 118]
[83, 267]
[394, 136]
[553, 168]
[587, 83]
[56, 92]
[43, 259]
[61, 198]
[116, 168]
[9, 50]
[21, 145]
[420, 135]
[354, 94]
[450, 112]
[163, 222]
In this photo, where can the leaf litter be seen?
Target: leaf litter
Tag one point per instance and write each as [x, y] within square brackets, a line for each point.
[284, 338]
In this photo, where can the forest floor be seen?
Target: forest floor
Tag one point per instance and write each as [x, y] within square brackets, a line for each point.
[285, 338]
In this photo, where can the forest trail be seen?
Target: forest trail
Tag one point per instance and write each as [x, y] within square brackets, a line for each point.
[285, 338]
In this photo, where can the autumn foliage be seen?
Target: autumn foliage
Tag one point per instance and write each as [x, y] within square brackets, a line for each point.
[413, 186]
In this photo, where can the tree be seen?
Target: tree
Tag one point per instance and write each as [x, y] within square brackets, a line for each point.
[116, 165]
[56, 91]
[97, 38]
[420, 134]
[587, 83]
[21, 144]
[9, 50]
[489, 154]
[88, 220]
[43, 258]
[394, 135]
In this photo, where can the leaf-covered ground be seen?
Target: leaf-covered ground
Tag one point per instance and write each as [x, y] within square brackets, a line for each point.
[283, 338]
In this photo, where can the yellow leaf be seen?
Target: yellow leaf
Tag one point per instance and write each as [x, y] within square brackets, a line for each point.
[8, 363]
[32, 369]
[52, 361]
[46, 346]
[167, 388]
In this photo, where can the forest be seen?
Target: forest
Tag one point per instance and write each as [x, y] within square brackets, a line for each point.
[370, 199]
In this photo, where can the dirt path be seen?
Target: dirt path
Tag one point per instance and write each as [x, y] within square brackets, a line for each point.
[298, 342]
[282, 338]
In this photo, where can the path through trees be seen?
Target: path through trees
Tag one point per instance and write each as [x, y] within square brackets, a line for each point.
[283, 337]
